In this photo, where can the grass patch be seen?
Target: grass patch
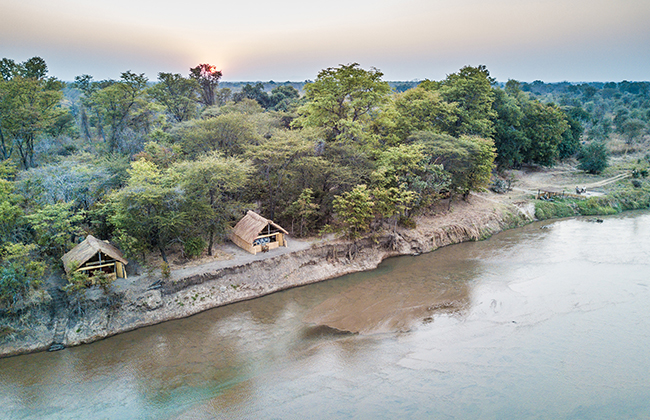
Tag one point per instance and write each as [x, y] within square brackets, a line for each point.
[554, 209]
[598, 206]
[625, 197]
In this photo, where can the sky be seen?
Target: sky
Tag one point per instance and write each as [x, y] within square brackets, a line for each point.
[256, 40]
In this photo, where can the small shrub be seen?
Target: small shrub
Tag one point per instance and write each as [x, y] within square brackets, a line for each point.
[194, 247]
[165, 271]
[407, 222]
[636, 183]
[77, 281]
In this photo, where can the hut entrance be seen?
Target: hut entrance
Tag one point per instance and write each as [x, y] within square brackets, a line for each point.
[255, 233]
[93, 256]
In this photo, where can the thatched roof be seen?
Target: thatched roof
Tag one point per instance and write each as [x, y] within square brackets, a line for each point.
[88, 249]
[250, 226]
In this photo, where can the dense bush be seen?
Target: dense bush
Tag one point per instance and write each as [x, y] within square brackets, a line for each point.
[19, 272]
[593, 158]
[194, 247]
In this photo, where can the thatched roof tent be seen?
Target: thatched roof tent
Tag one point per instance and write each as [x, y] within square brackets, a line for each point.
[86, 250]
[255, 233]
[252, 224]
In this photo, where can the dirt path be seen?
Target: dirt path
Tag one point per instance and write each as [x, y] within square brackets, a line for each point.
[566, 178]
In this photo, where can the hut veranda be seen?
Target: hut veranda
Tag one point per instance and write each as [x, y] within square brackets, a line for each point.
[255, 233]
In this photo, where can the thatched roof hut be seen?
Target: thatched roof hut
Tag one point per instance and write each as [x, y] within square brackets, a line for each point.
[255, 233]
[93, 255]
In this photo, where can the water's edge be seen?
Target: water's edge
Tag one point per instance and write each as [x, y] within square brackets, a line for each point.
[36, 327]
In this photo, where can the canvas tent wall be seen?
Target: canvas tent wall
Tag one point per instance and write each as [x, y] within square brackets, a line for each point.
[93, 255]
[255, 233]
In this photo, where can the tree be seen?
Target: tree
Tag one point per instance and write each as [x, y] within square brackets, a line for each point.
[11, 211]
[121, 105]
[148, 210]
[283, 98]
[19, 272]
[471, 90]
[509, 139]
[342, 100]
[406, 170]
[213, 187]
[417, 109]
[393, 202]
[274, 159]
[543, 125]
[207, 77]
[469, 160]
[177, 94]
[229, 133]
[570, 144]
[593, 157]
[255, 92]
[29, 105]
[632, 129]
[354, 211]
[56, 226]
[303, 209]
[528, 131]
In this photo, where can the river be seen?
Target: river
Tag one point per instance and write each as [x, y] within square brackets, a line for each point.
[550, 321]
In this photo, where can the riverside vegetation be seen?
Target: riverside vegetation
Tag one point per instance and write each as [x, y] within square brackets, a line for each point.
[169, 166]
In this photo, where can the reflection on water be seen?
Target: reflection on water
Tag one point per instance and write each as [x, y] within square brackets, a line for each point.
[533, 323]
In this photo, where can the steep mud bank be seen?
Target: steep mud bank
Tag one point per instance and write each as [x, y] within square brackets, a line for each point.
[149, 301]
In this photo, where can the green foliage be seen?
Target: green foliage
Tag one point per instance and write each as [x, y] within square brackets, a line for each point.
[528, 131]
[30, 105]
[354, 211]
[304, 210]
[194, 247]
[120, 108]
[416, 109]
[593, 157]
[406, 168]
[228, 134]
[177, 94]
[149, 208]
[213, 186]
[468, 160]
[79, 281]
[632, 129]
[55, 227]
[165, 271]
[343, 100]
[10, 210]
[471, 91]
[636, 198]
[19, 272]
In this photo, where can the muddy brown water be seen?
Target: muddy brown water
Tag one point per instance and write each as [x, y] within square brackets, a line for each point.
[549, 321]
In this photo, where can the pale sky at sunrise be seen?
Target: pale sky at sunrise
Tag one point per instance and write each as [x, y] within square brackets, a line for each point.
[250, 40]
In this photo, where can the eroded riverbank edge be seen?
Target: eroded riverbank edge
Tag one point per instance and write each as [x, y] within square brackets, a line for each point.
[37, 326]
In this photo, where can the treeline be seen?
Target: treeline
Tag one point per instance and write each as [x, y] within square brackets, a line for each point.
[604, 108]
[174, 163]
